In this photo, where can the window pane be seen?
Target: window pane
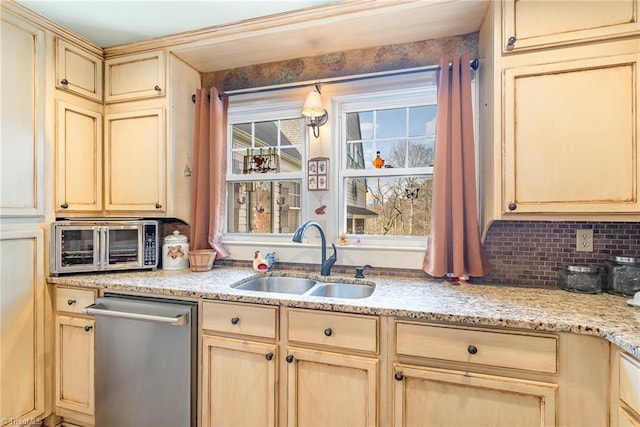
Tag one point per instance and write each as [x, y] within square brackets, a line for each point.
[394, 153]
[356, 155]
[241, 136]
[266, 134]
[422, 121]
[263, 206]
[292, 132]
[396, 206]
[291, 159]
[391, 123]
[359, 126]
[421, 152]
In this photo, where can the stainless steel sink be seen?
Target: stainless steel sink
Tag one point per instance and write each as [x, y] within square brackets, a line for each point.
[283, 285]
[342, 290]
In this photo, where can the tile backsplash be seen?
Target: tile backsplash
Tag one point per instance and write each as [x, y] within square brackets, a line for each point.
[530, 253]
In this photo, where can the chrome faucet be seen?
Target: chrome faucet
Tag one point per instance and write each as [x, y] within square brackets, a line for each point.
[326, 264]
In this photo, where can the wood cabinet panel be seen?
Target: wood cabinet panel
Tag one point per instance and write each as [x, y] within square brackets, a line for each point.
[22, 342]
[136, 76]
[537, 24]
[74, 364]
[500, 349]
[78, 158]
[330, 389]
[71, 300]
[22, 153]
[242, 319]
[630, 382]
[429, 396]
[78, 71]
[135, 161]
[570, 134]
[238, 375]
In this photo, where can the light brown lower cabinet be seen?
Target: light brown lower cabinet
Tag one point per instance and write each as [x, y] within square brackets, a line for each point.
[436, 397]
[625, 389]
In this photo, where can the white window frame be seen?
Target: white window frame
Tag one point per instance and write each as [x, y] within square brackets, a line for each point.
[400, 98]
[257, 113]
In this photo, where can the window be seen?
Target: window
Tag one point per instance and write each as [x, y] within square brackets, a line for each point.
[389, 196]
[264, 177]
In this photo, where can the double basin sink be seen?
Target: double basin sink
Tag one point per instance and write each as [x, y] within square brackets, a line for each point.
[306, 286]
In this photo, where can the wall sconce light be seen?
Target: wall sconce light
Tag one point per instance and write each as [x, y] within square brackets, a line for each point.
[314, 112]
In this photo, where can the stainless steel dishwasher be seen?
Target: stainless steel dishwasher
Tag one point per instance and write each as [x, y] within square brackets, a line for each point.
[145, 361]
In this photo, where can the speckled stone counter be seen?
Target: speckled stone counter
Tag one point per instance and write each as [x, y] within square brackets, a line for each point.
[603, 315]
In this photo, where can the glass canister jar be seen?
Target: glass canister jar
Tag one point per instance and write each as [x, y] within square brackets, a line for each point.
[623, 275]
[174, 252]
[581, 278]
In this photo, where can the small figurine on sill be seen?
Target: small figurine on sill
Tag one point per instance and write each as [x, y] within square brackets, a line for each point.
[343, 240]
[378, 162]
[259, 264]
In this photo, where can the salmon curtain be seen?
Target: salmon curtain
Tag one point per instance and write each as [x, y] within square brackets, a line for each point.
[454, 245]
[208, 192]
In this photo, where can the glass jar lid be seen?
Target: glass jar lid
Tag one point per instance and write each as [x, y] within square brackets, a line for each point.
[582, 268]
[625, 260]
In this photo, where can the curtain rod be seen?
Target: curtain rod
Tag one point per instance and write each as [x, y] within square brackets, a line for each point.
[474, 64]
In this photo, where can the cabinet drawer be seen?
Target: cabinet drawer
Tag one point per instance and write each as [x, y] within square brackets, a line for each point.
[243, 319]
[500, 349]
[74, 300]
[630, 382]
[625, 419]
[348, 331]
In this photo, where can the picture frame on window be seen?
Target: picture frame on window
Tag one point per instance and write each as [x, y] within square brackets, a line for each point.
[318, 173]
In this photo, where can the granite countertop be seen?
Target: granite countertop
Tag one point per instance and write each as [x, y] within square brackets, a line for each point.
[608, 316]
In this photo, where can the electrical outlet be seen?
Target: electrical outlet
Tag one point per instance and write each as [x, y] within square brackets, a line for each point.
[584, 240]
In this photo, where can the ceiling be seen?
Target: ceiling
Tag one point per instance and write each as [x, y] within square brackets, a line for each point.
[213, 35]
[114, 22]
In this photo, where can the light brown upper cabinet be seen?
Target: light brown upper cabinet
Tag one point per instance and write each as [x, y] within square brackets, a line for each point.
[135, 76]
[78, 71]
[571, 136]
[531, 24]
[79, 158]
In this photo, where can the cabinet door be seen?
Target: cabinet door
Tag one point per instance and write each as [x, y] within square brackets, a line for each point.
[135, 76]
[571, 136]
[435, 397]
[78, 71]
[330, 389]
[74, 364]
[239, 383]
[22, 318]
[135, 161]
[22, 73]
[531, 24]
[78, 159]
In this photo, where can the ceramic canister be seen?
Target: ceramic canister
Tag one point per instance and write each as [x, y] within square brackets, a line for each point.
[174, 252]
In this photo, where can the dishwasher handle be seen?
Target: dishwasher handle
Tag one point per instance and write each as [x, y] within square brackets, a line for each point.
[97, 310]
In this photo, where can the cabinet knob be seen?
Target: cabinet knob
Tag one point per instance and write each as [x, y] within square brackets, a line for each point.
[268, 356]
[399, 376]
[64, 206]
[157, 88]
[235, 320]
[472, 349]
[512, 206]
[158, 206]
[88, 328]
[64, 82]
[289, 358]
[511, 41]
[328, 332]
[71, 301]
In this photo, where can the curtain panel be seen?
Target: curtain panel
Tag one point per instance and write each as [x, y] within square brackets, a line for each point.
[208, 192]
[454, 245]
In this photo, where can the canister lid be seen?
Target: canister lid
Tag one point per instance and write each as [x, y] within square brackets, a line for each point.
[582, 268]
[176, 238]
[625, 259]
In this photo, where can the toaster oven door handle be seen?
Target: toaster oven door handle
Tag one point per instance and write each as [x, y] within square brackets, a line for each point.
[102, 244]
[98, 310]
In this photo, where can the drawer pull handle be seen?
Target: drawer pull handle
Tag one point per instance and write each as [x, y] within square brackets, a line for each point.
[511, 41]
[88, 328]
[71, 301]
[472, 349]
[512, 206]
[328, 332]
[289, 358]
[399, 376]
[268, 356]
[64, 206]
[157, 88]
[235, 320]
[158, 206]
[64, 82]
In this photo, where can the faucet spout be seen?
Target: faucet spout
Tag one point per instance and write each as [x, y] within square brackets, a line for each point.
[325, 264]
